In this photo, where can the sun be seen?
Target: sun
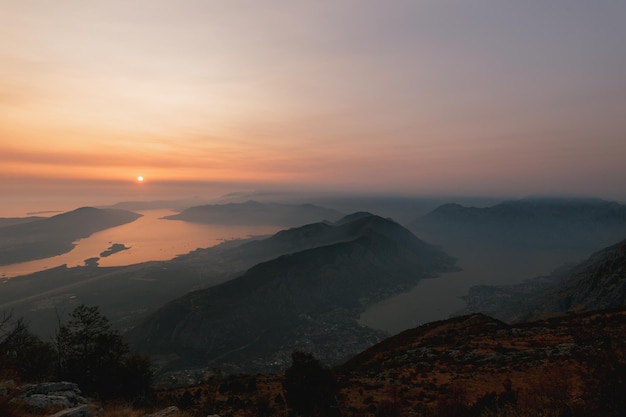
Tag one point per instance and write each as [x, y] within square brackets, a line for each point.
[140, 178]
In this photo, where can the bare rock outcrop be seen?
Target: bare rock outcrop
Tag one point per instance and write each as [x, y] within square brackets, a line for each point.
[51, 395]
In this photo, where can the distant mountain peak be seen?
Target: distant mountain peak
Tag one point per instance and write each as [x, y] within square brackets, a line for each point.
[81, 211]
[251, 203]
[354, 216]
[84, 208]
[560, 200]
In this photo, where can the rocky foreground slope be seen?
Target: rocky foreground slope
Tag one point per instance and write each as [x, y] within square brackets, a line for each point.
[466, 366]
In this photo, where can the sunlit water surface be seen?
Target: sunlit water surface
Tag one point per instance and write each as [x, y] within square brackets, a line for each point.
[150, 238]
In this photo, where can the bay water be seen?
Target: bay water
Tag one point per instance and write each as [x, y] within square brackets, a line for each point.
[150, 238]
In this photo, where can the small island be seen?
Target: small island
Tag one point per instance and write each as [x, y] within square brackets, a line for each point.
[92, 262]
[114, 248]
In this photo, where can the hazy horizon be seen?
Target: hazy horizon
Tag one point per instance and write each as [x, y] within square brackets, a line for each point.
[57, 199]
[404, 98]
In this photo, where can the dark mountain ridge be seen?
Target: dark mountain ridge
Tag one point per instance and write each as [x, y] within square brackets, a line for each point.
[239, 256]
[325, 233]
[54, 235]
[308, 299]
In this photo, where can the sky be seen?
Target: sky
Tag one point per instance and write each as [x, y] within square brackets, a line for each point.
[481, 97]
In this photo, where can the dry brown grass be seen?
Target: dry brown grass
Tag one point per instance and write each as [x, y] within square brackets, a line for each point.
[124, 410]
[116, 410]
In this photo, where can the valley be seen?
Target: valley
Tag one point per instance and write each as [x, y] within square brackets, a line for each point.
[228, 316]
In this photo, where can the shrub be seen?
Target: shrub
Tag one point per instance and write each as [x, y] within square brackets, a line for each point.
[97, 358]
[309, 387]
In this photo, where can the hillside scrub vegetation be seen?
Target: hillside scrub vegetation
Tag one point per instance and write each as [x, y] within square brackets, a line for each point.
[310, 389]
[22, 354]
[97, 358]
[85, 350]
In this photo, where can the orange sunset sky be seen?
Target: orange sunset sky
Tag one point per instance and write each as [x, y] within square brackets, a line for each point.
[409, 97]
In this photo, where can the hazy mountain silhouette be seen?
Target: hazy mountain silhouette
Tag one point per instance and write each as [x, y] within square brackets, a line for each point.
[256, 213]
[309, 299]
[10, 221]
[596, 283]
[176, 204]
[555, 223]
[402, 209]
[54, 235]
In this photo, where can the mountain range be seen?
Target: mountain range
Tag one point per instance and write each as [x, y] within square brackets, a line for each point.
[310, 298]
[563, 224]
